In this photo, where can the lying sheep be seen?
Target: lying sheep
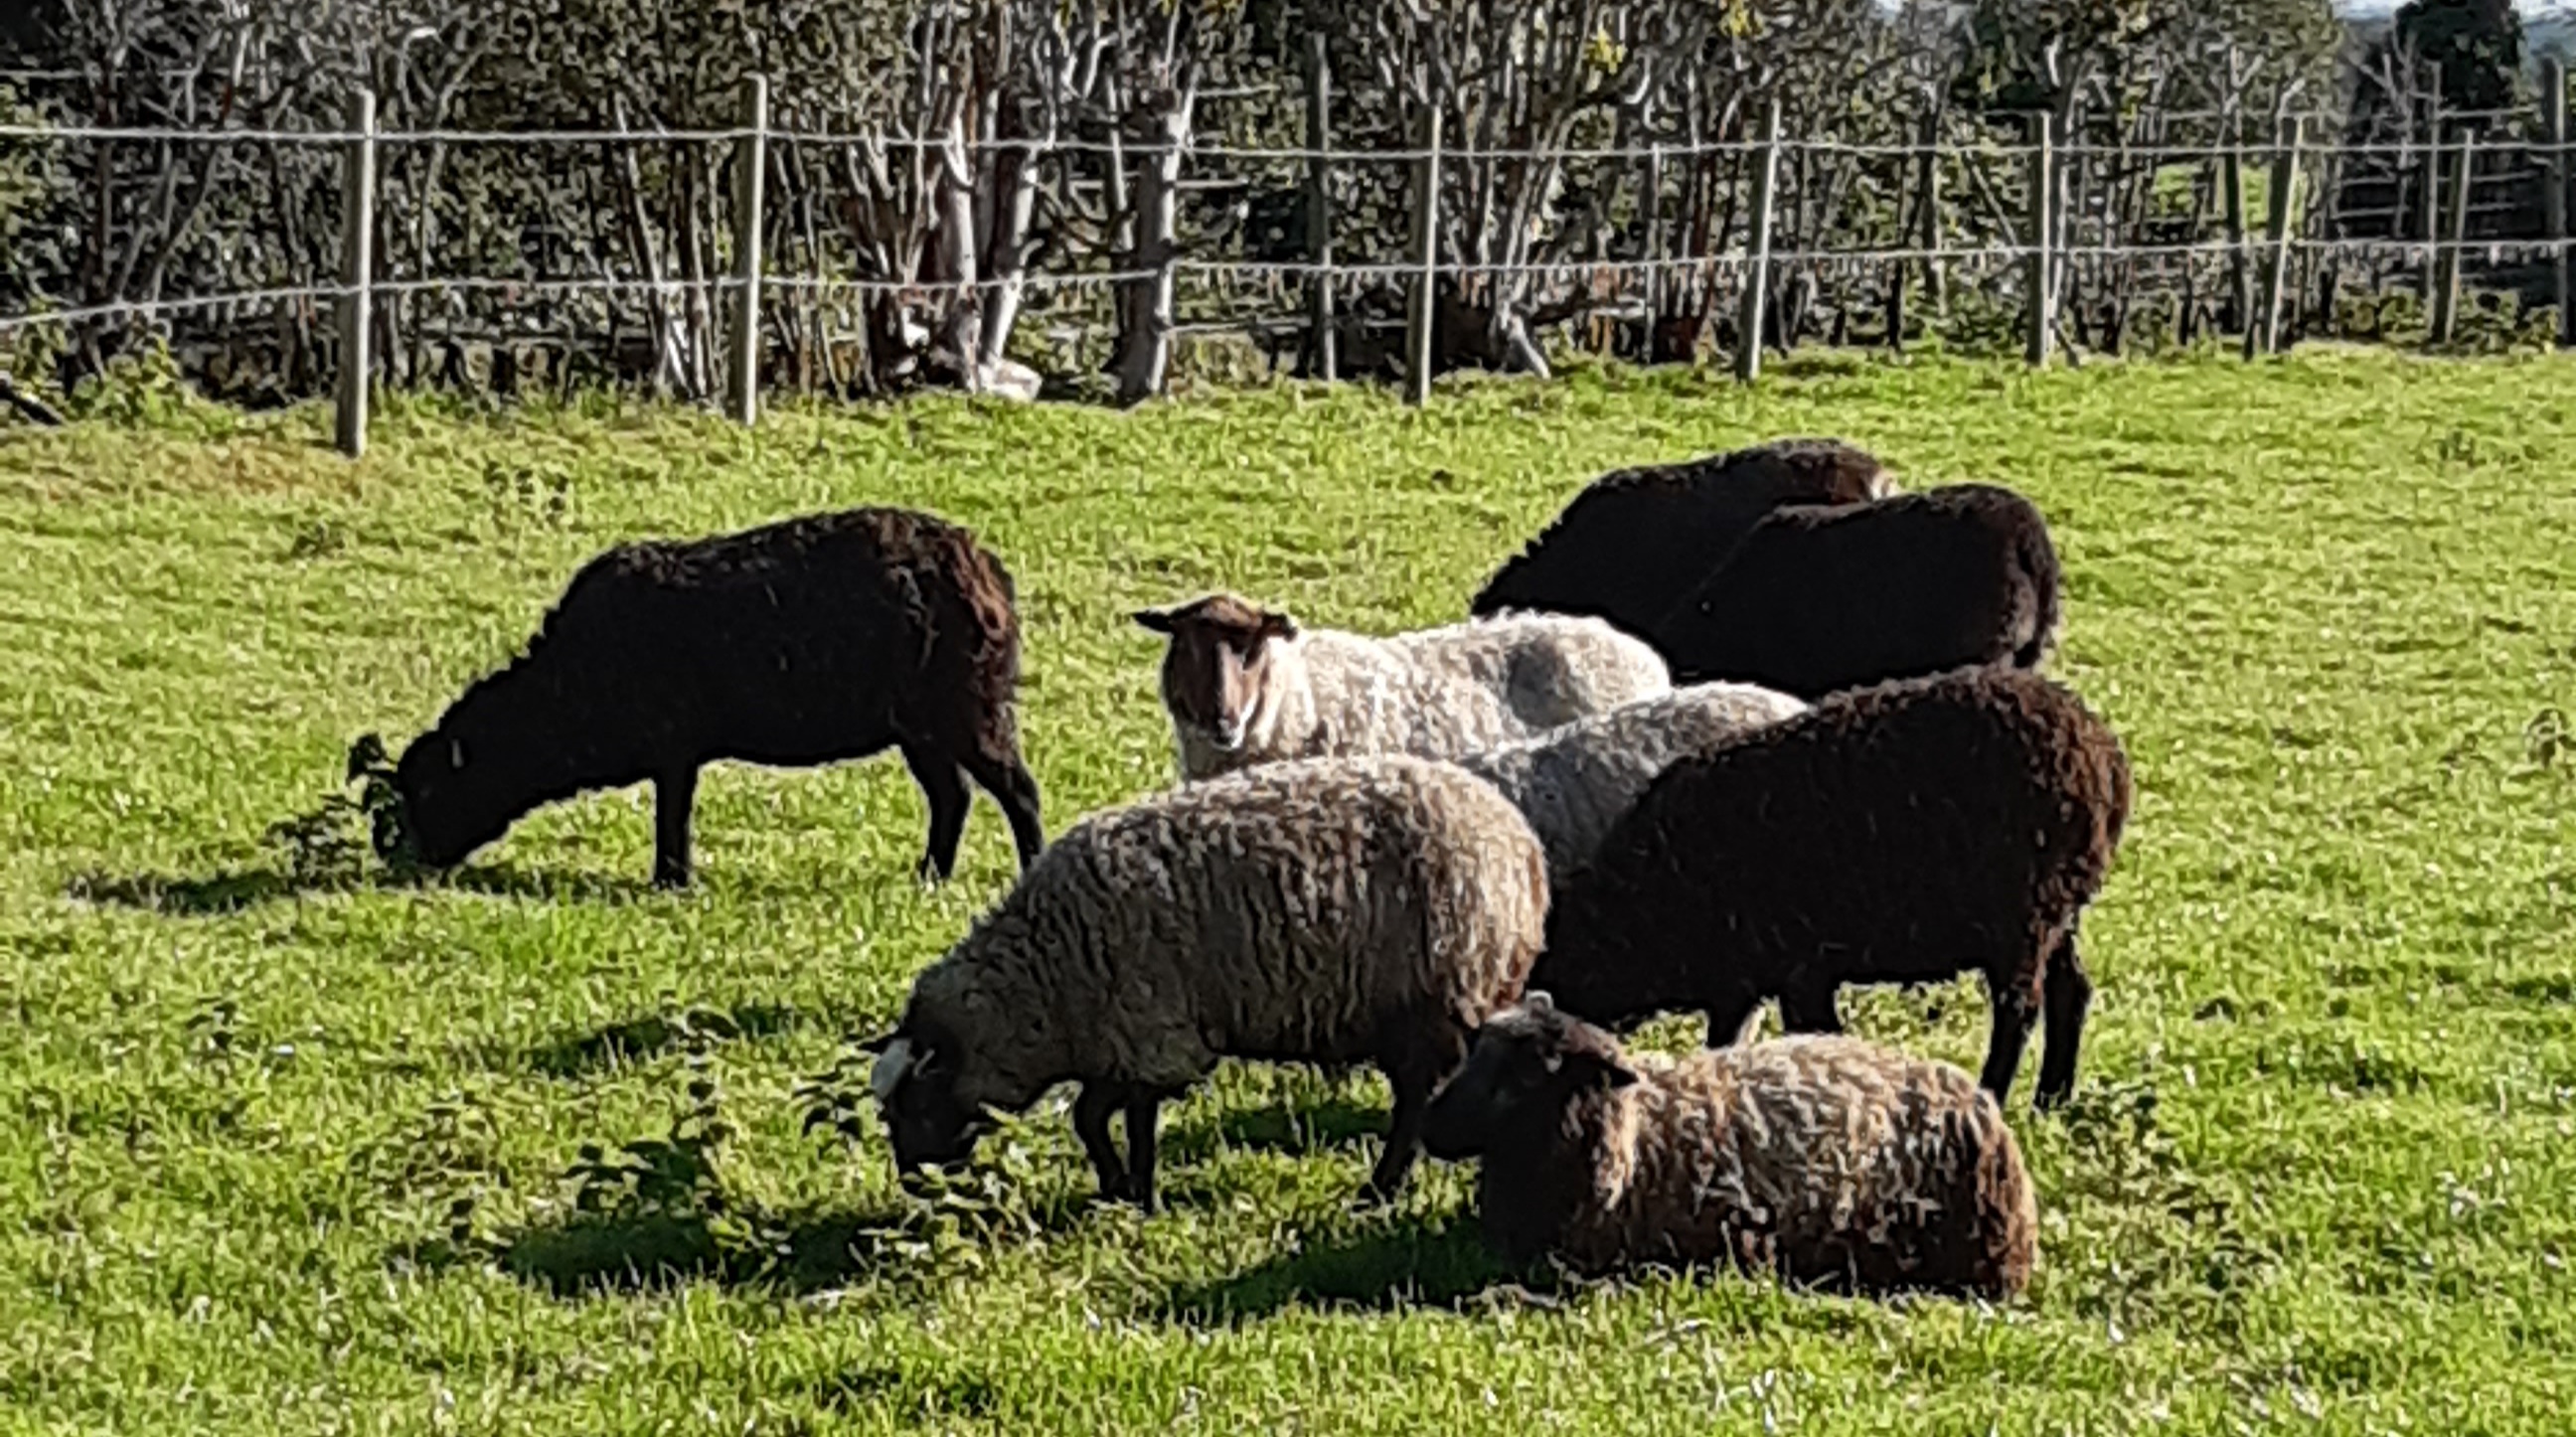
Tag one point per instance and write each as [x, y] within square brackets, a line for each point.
[1330, 911]
[1635, 541]
[1821, 598]
[1824, 1160]
[827, 637]
[1574, 782]
[1896, 834]
[1246, 685]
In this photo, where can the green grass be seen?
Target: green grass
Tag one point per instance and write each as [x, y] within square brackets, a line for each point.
[285, 1153]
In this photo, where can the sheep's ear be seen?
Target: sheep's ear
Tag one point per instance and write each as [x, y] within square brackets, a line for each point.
[1593, 1070]
[1537, 1003]
[1159, 620]
[894, 1060]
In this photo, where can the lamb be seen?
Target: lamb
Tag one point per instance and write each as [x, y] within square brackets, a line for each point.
[1825, 1160]
[1821, 598]
[821, 638]
[1246, 685]
[1330, 911]
[1636, 541]
[1896, 834]
[1574, 782]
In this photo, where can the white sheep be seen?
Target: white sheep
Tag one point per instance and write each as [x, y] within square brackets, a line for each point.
[1573, 783]
[1246, 685]
[1331, 911]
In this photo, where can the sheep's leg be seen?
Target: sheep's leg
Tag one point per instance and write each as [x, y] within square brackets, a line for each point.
[2014, 1012]
[1143, 1109]
[1016, 790]
[1414, 1078]
[1091, 1114]
[944, 788]
[1728, 1015]
[2066, 994]
[675, 792]
[1807, 1005]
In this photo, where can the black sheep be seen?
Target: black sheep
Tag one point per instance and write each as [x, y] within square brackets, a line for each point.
[821, 638]
[1635, 541]
[1902, 833]
[1821, 598]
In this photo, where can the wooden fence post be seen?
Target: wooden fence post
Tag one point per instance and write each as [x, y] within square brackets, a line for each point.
[1323, 354]
[1935, 279]
[1652, 202]
[2042, 318]
[357, 272]
[2240, 272]
[1757, 270]
[2263, 333]
[2429, 188]
[1426, 250]
[2446, 292]
[751, 169]
[2553, 119]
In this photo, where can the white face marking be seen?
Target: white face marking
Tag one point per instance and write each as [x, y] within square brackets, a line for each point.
[889, 1069]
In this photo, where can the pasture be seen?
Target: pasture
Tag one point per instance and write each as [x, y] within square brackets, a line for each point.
[285, 1148]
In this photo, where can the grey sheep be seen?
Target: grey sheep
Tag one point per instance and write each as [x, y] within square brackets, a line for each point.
[1331, 911]
[1246, 685]
[1824, 1159]
[1573, 783]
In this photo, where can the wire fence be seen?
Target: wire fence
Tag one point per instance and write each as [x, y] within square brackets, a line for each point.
[2043, 228]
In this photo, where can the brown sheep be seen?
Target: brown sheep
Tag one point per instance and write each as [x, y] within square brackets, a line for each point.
[1896, 834]
[1823, 1159]
[809, 641]
[1635, 541]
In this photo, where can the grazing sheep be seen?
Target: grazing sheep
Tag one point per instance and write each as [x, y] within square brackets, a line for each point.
[1635, 541]
[821, 638]
[1245, 685]
[1822, 598]
[1330, 911]
[1574, 782]
[1825, 1160]
[1897, 834]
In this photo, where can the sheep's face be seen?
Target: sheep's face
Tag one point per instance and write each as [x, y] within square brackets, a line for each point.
[1526, 1064]
[1216, 667]
[929, 1095]
[453, 800]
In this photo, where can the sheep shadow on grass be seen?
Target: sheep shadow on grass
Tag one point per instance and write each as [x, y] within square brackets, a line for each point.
[632, 1040]
[1296, 1128]
[229, 890]
[598, 1255]
[1419, 1261]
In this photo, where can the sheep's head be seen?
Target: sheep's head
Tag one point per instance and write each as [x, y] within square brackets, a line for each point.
[1527, 1061]
[450, 798]
[1213, 670]
[929, 1118]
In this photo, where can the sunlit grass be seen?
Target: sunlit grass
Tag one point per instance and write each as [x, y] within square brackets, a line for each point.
[285, 1156]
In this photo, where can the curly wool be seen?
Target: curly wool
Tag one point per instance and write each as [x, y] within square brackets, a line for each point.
[1331, 911]
[1827, 1160]
[1438, 693]
[1895, 834]
[1573, 783]
[1635, 541]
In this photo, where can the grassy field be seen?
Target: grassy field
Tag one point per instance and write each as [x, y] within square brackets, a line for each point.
[283, 1151]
